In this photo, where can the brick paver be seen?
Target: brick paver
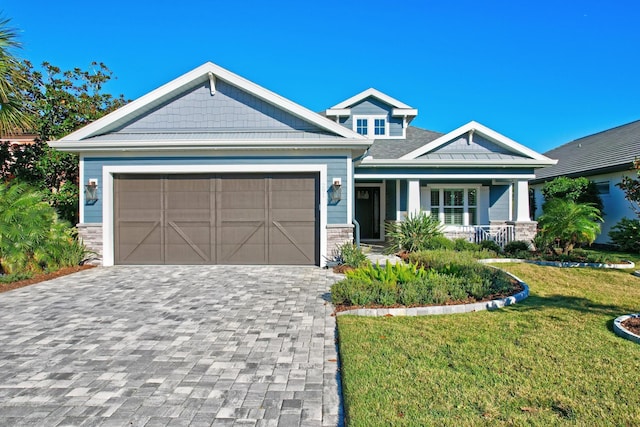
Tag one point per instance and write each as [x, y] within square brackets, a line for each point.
[171, 346]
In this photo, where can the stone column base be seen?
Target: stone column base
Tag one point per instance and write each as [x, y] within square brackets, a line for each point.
[525, 230]
[91, 235]
[337, 235]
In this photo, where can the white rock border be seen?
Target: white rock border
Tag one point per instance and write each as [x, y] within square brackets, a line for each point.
[636, 273]
[442, 309]
[624, 332]
[557, 263]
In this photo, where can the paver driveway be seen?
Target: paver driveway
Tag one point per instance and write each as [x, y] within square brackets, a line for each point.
[156, 346]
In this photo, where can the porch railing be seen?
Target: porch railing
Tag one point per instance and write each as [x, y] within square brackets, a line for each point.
[501, 234]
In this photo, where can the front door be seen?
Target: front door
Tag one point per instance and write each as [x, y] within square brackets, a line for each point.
[368, 212]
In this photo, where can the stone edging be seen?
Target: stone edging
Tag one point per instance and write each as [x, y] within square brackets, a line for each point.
[636, 273]
[622, 331]
[556, 263]
[442, 309]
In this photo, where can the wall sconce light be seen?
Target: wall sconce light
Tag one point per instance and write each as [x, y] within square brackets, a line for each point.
[336, 190]
[91, 191]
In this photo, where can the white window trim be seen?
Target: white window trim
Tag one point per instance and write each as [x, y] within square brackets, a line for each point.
[108, 254]
[371, 118]
[465, 215]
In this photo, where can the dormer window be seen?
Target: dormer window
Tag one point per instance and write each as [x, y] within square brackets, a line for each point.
[362, 126]
[371, 126]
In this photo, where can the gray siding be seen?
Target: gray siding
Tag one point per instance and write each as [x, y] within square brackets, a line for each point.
[479, 145]
[372, 106]
[336, 167]
[229, 109]
[499, 203]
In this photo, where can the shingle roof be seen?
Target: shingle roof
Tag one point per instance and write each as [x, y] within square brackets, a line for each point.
[396, 148]
[612, 149]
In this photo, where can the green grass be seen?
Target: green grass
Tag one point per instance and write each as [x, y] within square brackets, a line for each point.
[552, 359]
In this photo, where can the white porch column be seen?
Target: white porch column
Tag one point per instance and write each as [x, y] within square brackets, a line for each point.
[413, 199]
[522, 201]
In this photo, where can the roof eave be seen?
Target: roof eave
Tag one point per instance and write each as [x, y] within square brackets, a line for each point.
[189, 145]
[455, 163]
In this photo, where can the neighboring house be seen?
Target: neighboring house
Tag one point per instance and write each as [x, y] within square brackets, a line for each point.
[604, 158]
[212, 168]
[19, 138]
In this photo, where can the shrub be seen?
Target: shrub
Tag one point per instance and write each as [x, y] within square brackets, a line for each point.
[32, 238]
[413, 233]
[516, 247]
[490, 245]
[463, 244]
[351, 255]
[570, 223]
[578, 190]
[626, 235]
[438, 242]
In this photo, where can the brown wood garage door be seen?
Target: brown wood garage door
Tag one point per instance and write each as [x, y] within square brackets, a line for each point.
[216, 219]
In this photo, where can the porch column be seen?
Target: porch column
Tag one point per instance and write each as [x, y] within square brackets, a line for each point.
[522, 201]
[413, 199]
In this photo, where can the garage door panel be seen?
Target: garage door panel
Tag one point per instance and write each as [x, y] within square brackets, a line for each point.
[226, 218]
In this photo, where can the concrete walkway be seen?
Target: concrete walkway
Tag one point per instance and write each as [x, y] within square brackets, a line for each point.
[171, 346]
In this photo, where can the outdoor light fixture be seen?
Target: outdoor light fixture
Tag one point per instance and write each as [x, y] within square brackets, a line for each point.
[336, 190]
[91, 191]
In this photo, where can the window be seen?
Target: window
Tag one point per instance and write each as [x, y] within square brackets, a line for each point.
[362, 126]
[371, 125]
[602, 187]
[455, 206]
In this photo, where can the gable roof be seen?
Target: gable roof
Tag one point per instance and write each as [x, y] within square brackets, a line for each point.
[610, 150]
[512, 153]
[400, 109]
[100, 134]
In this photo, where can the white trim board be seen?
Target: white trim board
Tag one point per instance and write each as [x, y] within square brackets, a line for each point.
[108, 255]
[440, 176]
[376, 94]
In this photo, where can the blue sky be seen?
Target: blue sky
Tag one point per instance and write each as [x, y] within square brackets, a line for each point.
[541, 72]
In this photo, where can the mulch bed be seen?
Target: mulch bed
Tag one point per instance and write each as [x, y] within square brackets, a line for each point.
[4, 287]
[632, 325]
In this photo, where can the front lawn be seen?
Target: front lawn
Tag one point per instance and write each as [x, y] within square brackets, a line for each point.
[549, 360]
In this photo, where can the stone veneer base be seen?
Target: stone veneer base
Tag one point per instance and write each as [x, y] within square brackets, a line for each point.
[624, 332]
[442, 309]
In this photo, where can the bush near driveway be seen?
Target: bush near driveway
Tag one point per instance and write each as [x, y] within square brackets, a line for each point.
[32, 238]
[437, 277]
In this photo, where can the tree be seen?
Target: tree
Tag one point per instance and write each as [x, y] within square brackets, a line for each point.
[579, 190]
[631, 188]
[626, 233]
[569, 223]
[61, 102]
[13, 114]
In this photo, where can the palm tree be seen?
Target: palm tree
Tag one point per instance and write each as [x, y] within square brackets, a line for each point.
[570, 223]
[13, 116]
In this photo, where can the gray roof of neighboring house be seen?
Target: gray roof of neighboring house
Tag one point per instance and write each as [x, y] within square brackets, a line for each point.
[610, 150]
[396, 148]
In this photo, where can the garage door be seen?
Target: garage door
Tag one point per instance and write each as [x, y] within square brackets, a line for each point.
[216, 219]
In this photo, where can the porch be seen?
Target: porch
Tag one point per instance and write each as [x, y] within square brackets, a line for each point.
[496, 210]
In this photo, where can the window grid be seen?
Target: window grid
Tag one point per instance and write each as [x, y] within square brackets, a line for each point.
[362, 126]
[455, 206]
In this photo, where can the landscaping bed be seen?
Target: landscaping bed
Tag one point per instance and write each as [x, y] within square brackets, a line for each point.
[632, 325]
[41, 277]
